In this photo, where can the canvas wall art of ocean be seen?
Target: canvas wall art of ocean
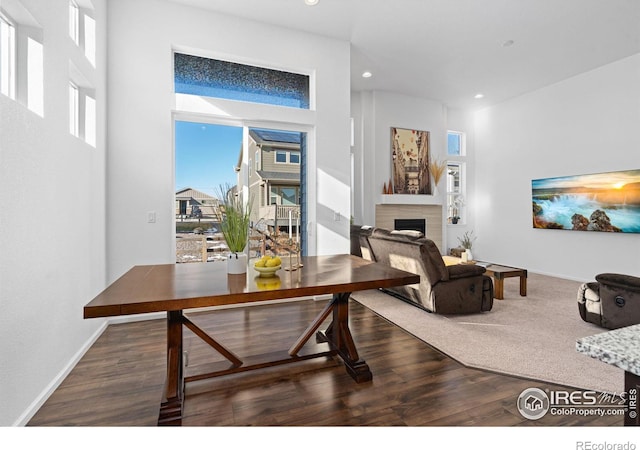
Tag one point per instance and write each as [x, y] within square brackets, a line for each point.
[608, 201]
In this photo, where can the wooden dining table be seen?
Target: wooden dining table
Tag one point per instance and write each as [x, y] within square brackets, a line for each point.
[174, 288]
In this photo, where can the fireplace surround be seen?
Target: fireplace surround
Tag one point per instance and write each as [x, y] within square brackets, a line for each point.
[387, 214]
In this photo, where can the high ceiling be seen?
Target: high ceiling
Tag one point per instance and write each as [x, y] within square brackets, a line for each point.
[451, 50]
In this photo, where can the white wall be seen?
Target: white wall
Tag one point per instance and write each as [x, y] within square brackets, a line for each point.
[586, 124]
[52, 224]
[141, 160]
[374, 114]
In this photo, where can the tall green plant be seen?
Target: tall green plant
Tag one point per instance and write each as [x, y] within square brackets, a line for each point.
[235, 220]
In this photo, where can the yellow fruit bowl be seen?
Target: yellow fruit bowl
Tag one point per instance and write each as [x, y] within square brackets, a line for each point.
[268, 271]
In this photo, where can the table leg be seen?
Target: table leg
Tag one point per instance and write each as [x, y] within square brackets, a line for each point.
[339, 337]
[498, 287]
[523, 285]
[171, 407]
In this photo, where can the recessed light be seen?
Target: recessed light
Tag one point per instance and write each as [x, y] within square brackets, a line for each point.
[508, 43]
[367, 74]
[311, 2]
[479, 96]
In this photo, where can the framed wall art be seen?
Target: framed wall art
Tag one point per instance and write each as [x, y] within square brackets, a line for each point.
[410, 161]
[608, 201]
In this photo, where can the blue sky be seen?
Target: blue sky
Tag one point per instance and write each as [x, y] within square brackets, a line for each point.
[206, 155]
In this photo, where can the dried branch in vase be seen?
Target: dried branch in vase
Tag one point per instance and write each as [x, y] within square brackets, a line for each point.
[436, 168]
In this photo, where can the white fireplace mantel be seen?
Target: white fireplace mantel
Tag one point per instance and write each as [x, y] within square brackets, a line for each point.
[409, 199]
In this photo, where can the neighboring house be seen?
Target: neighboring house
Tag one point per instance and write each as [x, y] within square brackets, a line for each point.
[191, 203]
[274, 176]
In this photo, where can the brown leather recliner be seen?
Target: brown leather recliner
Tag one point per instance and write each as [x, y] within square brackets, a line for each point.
[613, 301]
[442, 289]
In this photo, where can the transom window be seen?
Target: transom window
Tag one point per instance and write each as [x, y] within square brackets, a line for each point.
[223, 79]
[455, 143]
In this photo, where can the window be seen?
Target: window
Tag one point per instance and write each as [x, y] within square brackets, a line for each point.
[35, 76]
[455, 200]
[90, 120]
[7, 57]
[22, 57]
[257, 160]
[74, 110]
[456, 177]
[287, 157]
[90, 39]
[281, 157]
[223, 79]
[74, 22]
[284, 195]
[455, 143]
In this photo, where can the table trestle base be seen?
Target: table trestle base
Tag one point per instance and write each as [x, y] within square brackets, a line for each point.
[337, 337]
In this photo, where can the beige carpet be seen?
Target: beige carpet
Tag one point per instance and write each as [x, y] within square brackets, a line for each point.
[532, 337]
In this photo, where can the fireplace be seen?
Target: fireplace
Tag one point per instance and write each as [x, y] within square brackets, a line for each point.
[410, 224]
[387, 214]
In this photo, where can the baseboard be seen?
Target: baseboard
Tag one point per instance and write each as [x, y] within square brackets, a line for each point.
[31, 411]
[555, 275]
[28, 414]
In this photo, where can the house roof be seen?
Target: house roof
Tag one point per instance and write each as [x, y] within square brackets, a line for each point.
[281, 176]
[275, 137]
[190, 193]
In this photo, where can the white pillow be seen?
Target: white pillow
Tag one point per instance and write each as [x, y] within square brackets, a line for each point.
[410, 233]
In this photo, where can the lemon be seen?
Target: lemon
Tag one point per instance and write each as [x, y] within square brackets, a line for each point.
[273, 262]
[260, 263]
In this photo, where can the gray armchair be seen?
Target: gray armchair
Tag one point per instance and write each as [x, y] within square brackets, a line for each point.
[612, 301]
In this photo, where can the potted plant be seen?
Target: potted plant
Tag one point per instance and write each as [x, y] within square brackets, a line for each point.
[457, 205]
[466, 241]
[235, 228]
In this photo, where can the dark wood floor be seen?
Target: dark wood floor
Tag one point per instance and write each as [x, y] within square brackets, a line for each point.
[120, 379]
